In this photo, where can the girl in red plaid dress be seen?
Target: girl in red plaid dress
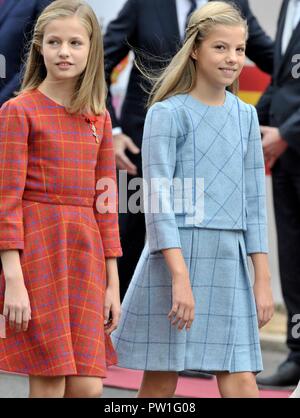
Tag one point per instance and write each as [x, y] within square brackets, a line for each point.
[59, 238]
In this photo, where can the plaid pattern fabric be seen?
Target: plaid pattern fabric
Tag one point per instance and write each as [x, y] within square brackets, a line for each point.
[224, 335]
[185, 139]
[49, 165]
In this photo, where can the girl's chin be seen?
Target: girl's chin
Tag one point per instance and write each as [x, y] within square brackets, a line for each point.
[62, 77]
[65, 74]
[229, 83]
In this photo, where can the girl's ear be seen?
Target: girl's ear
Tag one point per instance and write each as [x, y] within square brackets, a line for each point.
[194, 54]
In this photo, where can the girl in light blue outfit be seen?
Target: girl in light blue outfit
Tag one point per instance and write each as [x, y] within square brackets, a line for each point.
[190, 304]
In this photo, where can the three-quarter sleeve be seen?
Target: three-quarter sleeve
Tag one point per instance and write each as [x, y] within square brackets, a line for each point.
[106, 201]
[159, 162]
[255, 182]
[14, 130]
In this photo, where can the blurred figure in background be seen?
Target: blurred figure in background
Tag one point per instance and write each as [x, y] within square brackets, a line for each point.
[154, 30]
[17, 18]
[279, 113]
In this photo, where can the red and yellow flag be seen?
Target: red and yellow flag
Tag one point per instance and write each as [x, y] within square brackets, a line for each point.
[253, 82]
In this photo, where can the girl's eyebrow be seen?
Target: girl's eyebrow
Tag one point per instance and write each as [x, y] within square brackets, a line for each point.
[226, 43]
[50, 35]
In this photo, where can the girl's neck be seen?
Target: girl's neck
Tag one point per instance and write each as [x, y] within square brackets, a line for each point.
[207, 94]
[59, 91]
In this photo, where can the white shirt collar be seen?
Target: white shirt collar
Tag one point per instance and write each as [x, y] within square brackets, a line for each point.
[291, 21]
[183, 7]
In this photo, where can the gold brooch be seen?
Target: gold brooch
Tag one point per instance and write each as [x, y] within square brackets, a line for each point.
[93, 128]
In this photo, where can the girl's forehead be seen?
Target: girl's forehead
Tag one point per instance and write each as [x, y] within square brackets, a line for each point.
[235, 33]
[66, 25]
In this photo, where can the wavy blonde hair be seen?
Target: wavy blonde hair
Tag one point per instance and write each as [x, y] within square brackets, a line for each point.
[90, 90]
[180, 75]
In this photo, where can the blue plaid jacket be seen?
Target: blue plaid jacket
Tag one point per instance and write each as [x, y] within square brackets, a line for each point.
[203, 167]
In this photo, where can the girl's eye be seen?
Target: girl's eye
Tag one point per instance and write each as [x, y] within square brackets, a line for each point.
[76, 43]
[220, 47]
[53, 42]
[242, 50]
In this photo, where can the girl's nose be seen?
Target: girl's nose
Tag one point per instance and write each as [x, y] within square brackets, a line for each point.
[231, 57]
[64, 51]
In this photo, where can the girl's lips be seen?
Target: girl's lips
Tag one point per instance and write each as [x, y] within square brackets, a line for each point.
[228, 70]
[64, 64]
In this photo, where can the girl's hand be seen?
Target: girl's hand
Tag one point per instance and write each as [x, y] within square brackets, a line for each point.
[112, 309]
[16, 304]
[264, 302]
[183, 307]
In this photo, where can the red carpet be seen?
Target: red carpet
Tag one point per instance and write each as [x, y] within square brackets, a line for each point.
[187, 387]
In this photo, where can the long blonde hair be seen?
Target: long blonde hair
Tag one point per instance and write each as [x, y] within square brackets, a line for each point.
[180, 75]
[90, 90]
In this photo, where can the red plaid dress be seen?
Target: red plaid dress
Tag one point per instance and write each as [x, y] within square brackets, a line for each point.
[50, 162]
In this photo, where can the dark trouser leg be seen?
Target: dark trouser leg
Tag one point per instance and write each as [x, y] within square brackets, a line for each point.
[132, 232]
[286, 190]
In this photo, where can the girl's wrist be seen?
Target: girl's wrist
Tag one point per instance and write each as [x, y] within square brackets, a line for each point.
[178, 270]
[179, 275]
[14, 280]
[113, 281]
[13, 275]
[11, 265]
[263, 278]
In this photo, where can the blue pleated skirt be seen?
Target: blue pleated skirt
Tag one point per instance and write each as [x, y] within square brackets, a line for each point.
[224, 335]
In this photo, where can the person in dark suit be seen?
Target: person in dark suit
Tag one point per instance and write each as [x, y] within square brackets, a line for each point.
[17, 18]
[153, 29]
[279, 114]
